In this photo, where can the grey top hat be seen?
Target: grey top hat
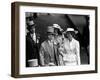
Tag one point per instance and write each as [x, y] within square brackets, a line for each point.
[50, 29]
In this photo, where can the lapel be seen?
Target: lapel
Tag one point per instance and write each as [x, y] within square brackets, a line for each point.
[55, 52]
[30, 38]
[48, 47]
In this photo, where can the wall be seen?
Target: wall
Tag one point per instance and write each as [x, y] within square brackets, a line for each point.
[5, 40]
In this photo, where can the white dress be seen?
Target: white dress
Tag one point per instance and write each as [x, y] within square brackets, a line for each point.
[71, 55]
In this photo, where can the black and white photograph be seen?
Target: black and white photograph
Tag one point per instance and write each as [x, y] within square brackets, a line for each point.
[52, 39]
[57, 39]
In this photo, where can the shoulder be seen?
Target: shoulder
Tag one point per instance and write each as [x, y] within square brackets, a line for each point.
[37, 34]
[44, 43]
[65, 40]
[28, 38]
[76, 41]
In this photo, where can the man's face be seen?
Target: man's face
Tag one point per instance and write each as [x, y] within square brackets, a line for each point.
[50, 36]
[32, 30]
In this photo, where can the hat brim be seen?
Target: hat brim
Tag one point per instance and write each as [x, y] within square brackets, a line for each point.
[51, 33]
[76, 32]
[31, 26]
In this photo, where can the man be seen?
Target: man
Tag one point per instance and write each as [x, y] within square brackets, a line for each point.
[32, 54]
[71, 53]
[48, 51]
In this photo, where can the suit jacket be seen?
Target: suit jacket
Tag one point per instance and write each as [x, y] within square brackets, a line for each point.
[46, 54]
[32, 51]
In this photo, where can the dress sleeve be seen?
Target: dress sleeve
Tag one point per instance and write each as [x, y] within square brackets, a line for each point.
[78, 52]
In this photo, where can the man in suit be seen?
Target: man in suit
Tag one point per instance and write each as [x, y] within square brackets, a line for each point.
[32, 51]
[48, 51]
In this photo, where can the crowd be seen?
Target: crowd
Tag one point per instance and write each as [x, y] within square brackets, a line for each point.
[59, 49]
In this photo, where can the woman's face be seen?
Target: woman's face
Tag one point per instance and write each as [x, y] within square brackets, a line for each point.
[69, 35]
[56, 31]
[59, 39]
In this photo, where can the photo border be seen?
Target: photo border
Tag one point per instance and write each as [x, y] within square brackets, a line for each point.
[15, 33]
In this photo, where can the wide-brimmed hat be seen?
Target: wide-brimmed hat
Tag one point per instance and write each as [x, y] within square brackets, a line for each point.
[71, 30]
[50, 29]
[57, 27]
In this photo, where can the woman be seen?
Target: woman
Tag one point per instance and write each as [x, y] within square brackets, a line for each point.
[71, 49]
[58, 41]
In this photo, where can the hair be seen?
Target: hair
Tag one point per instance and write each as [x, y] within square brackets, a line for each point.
[58, 31]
